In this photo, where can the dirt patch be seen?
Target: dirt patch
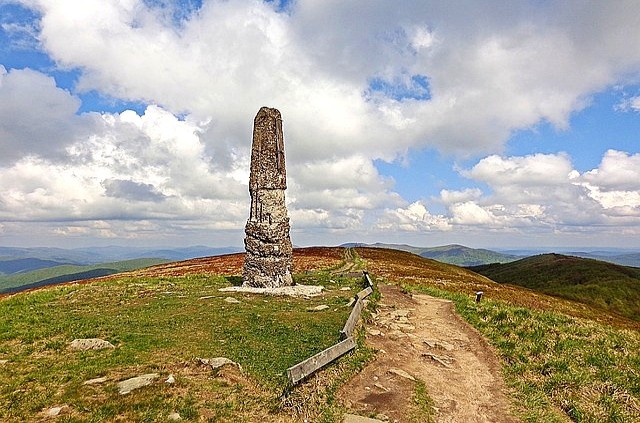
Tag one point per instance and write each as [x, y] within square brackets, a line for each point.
[422, 337]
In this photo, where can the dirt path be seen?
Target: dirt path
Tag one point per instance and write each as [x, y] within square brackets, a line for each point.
[349, 262]
[422, 337]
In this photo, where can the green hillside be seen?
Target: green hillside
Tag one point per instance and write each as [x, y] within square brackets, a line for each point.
[451, 254]
[465, 256]
[606, 285]
[67, 273]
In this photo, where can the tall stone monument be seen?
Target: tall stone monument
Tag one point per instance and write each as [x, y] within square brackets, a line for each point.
[267, 243]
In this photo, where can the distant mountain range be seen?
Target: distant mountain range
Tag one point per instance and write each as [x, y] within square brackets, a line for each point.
[451, 254]
[465, 256]
[594, 282]
[25, 268]
[51, 275]
[95, 255]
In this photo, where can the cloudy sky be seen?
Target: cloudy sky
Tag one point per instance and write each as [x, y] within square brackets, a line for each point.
[490, 124]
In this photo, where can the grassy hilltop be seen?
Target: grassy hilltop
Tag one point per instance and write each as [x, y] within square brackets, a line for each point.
[161, 318]
[605, 285]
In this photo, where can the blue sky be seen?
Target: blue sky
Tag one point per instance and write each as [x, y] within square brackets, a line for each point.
[129, 122]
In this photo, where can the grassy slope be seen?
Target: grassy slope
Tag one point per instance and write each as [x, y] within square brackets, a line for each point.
[563, 361]
[57, 274]
[606, 285]
[161, 323]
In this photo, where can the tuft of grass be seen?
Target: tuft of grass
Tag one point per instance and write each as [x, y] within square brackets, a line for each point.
[558, 366]
[423, 405]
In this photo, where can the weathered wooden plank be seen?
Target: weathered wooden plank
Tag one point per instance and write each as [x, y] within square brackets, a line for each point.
[310, 365]
[347, 331]
[367, 279]
[364, 293]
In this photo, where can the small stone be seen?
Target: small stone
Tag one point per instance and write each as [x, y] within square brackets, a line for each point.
[231, 300]
[55, 411]
[170, 380]
[401, 313]
[379, 386]
[218, 362]
[382, 417]
[2, 362]
[129, 385]
[374, 332]
[174, 417]
[207, 297]
[318, 308]
[352, 418]
[401, 373]
[90, 344]
[345, 288]
[396, 334]
[440, 344]
[95, 381]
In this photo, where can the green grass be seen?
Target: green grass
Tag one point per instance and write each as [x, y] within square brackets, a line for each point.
[160, 325]
[423, 405]
[558, 366]
[597, 283]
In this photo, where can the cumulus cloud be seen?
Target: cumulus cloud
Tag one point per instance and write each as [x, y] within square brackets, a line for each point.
[355, 82]
[316, 63]
[36, 116]
[536, 193]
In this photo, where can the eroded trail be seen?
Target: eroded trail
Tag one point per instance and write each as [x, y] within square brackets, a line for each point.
[422, 337]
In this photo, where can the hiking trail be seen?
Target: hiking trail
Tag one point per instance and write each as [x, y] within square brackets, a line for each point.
[421, 337]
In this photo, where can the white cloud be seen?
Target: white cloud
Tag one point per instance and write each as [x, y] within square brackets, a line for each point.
[618, 171]
[36, 117]
[537, 193]
[629, 104]
[490, 71]
[414, 217]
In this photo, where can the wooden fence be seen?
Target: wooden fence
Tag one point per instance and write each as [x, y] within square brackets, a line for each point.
[347, 343]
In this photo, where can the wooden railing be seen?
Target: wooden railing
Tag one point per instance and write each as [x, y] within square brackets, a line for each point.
[347, 343]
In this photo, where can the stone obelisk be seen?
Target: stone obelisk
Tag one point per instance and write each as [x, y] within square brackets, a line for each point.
[267, 243]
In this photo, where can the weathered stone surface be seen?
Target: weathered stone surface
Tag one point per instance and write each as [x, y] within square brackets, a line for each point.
[54, 411]
[352, 418]
[90, 344]
[304, 291]
[318, 308]
[268, 259]
[170, 380]
[231, 300]
[217, 362]
[129, 385]
[95, 381]
[401, 373]
[174, 417]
